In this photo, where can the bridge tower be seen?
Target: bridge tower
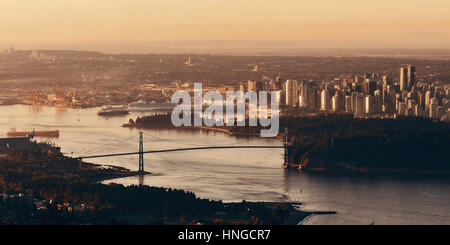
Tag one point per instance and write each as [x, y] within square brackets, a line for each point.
[141, 152]
[286, 150]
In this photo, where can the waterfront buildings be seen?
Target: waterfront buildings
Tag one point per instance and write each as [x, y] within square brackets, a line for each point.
[370, 95]
[365, 95]
[291, 93]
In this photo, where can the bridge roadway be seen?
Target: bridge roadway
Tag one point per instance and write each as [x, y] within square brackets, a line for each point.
[180, 149]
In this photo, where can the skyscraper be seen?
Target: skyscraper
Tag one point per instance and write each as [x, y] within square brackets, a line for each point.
[433, 108]
[407, 77]
[411, 70]
[304, 94]
[428, 98]
[339, 102]
[369, 104]
[403, 78]
[360, 104]
[291, 92]
[377, 101]
[324, 100]
[372, 86]
[348, 104]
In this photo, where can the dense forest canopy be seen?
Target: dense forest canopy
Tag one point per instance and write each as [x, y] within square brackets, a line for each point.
[336, 141]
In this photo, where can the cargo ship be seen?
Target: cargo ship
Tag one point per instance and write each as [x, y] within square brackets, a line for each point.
[113, 110]
[142, 105]
[34, 133]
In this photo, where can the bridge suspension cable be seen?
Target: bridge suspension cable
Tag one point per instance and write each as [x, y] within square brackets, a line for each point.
[184, 143]
[109, 146]
[182, 149]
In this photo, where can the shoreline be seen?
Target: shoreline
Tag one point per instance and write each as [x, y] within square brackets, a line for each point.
[205, 128]
[54, 106]
[296, 217]
[125, 175]
[227, 131]
[374, 172]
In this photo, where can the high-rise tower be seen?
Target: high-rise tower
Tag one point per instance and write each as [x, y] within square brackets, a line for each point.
[407, 77]
[411, 70]
[403, 79]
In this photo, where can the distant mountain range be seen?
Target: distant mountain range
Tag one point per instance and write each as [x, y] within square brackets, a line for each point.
[265, 48]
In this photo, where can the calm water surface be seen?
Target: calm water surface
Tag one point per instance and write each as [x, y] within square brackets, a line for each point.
[237, 174]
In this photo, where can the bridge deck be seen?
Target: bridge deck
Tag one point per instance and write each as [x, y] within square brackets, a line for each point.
[180, 149]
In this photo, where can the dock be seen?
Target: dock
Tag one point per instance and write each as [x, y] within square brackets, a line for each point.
[49, 133]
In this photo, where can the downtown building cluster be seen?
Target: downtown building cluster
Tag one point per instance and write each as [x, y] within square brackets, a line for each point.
[367, 95]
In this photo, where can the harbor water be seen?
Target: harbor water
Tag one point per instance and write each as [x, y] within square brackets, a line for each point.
[236, 174]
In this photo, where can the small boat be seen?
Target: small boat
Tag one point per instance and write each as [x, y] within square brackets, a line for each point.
[31, 134]
[113, 110]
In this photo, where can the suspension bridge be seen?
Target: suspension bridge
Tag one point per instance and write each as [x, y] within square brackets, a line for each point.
[141, 151]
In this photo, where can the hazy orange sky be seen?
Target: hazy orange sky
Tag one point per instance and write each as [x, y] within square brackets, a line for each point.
[412, 23]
